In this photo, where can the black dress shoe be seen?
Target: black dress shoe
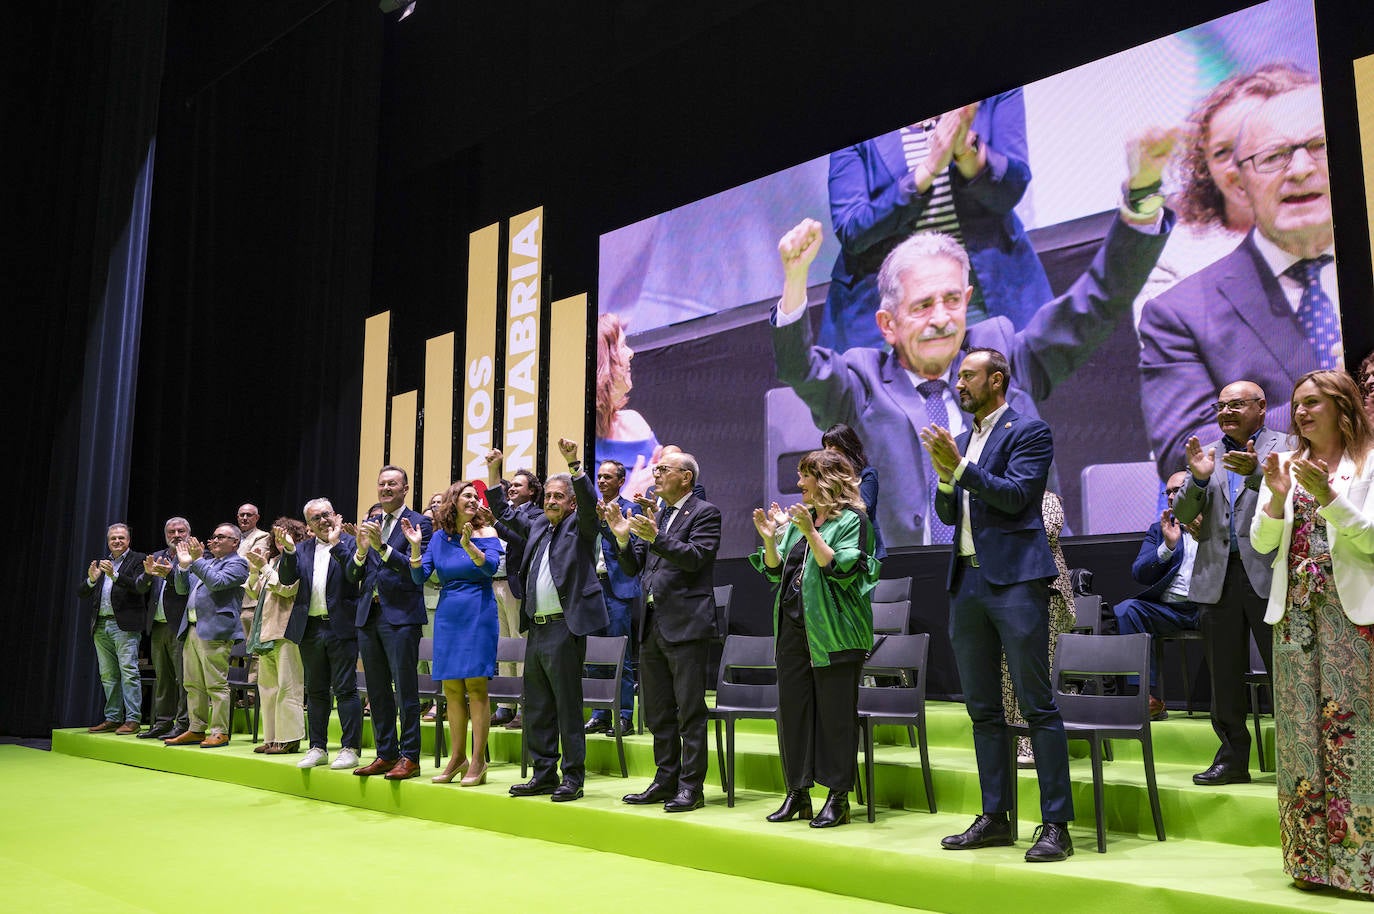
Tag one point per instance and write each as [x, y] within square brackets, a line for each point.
[797, 803]
[1221, 773]
[174, 733]
[654, 793]
[834, 812]
[1051, 843]
[686, 800]
[565, 793]
[626, 727]
[156, 732]
[988, 830]
[533, 787]
[597, 725]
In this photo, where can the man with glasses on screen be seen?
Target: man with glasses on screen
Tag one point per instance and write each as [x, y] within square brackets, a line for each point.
[925, 292]
[1230, 582]
[1269, 311]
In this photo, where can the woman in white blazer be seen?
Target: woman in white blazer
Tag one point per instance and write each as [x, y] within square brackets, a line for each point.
[1317, 511]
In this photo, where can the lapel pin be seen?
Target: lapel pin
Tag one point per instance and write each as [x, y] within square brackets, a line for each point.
[1008, 425]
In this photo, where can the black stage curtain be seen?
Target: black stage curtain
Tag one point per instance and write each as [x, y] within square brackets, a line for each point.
[91, 75]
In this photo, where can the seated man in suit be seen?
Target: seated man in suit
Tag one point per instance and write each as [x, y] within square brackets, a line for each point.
[391, 613]
[1165, 567]
[167, 607]
[992, 483]
[329, 643]
[214, 598]
[675, 556]
[118, 617]
[621, 591]
[562, 605]
[884, 395]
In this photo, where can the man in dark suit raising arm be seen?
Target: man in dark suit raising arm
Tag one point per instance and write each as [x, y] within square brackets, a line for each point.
[991, 482]
[561, 606]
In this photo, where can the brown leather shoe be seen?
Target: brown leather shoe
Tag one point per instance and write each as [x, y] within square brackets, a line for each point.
[284, 748]
[1157, 709]
[105, 726]
[261, 748]
[404, 769]
[378, 765]
[215, 741]
[190, 737]
[128, 727]
[515, 723]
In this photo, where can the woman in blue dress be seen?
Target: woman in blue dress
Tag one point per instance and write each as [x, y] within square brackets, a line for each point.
[461, 560]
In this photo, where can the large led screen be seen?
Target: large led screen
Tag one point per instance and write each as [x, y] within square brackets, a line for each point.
[1122, 318]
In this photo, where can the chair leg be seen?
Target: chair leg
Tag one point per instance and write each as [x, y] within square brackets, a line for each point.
[730, 760]
[1157, 654]
[862, 750]
[620, 747]
[1259, 733]
[1147, 751]
[1014, 814]
[720, 760]
[925, 767]
[868, 768]
[1187, 678]
[1095, 748]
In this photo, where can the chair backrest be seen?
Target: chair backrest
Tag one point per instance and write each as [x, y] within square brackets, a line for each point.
[724, 594]
[427, 650]
[747, 652]
[1257, 670]
[507, 688]
[1078, 657]
[1087, 614]
[890, 590]
[897, 668]
[891, 618]
[1120, 497]
[607, 652]
[789, 434]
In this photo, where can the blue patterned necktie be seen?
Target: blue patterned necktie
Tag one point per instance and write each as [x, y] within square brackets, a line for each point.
[936, 414]
[1316, 314]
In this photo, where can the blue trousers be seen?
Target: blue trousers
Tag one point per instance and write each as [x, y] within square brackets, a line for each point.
[117, 653]
[618, 611]
[984, 620]
[391, 656]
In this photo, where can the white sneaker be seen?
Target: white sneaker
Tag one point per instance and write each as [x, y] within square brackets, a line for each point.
[312, 758]
[347, 758]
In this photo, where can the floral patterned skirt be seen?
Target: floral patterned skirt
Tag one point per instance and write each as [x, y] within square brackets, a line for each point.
[1324, 725]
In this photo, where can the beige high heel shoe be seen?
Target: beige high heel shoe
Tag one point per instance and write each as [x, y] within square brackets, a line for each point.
[475, 780]
[450, 773]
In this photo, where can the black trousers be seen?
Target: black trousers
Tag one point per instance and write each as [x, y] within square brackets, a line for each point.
[331, 665]
[672, 676]
[1226, 626]
[553, 702]
[391, 657]
[818, 716]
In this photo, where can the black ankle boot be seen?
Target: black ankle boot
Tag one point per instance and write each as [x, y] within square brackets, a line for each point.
[834, 812]
[797, 803]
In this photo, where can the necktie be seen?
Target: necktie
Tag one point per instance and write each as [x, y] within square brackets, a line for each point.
[387, 523]
[664, 517]
[933, 392]
[1316, 314]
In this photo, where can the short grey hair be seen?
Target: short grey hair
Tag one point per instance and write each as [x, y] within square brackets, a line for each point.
[689, 463]
[124, 527]
[905, 257]
[315, 502]
[564, 478]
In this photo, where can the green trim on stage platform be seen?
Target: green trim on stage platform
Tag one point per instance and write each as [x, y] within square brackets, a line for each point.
[1221, 856]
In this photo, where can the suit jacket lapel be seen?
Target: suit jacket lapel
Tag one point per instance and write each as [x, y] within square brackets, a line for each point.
[1258, 301]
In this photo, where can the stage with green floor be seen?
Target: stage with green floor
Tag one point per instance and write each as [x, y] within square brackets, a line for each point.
[1221, 854]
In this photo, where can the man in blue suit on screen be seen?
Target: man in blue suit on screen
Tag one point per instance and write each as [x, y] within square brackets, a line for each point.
[991, 481]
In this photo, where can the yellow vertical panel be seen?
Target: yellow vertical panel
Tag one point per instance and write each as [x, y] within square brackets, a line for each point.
[567, 376]
[1364, 103]
[524, 272]
[402, 450]
[372, 421]
[437, 461]
[479, 358]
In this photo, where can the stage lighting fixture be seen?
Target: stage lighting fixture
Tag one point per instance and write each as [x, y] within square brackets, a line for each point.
[391, 6]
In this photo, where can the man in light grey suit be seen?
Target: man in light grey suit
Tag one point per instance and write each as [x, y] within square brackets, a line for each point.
[888, 396]
[1230, 581]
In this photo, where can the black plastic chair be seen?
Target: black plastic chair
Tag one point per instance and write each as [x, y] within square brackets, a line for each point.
[899, 659]
[1181, 638]
[1087, 614]
[1255, 679]
[890, 590]
[604, 694]
[1098, 718]
[240, 686]
[724, 594]
[432, 690]
[892, 618]
[510, 689]
[742, 700]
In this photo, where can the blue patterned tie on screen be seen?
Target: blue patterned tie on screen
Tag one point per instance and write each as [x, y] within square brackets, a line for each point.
[936, 414]
[1316, 314]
